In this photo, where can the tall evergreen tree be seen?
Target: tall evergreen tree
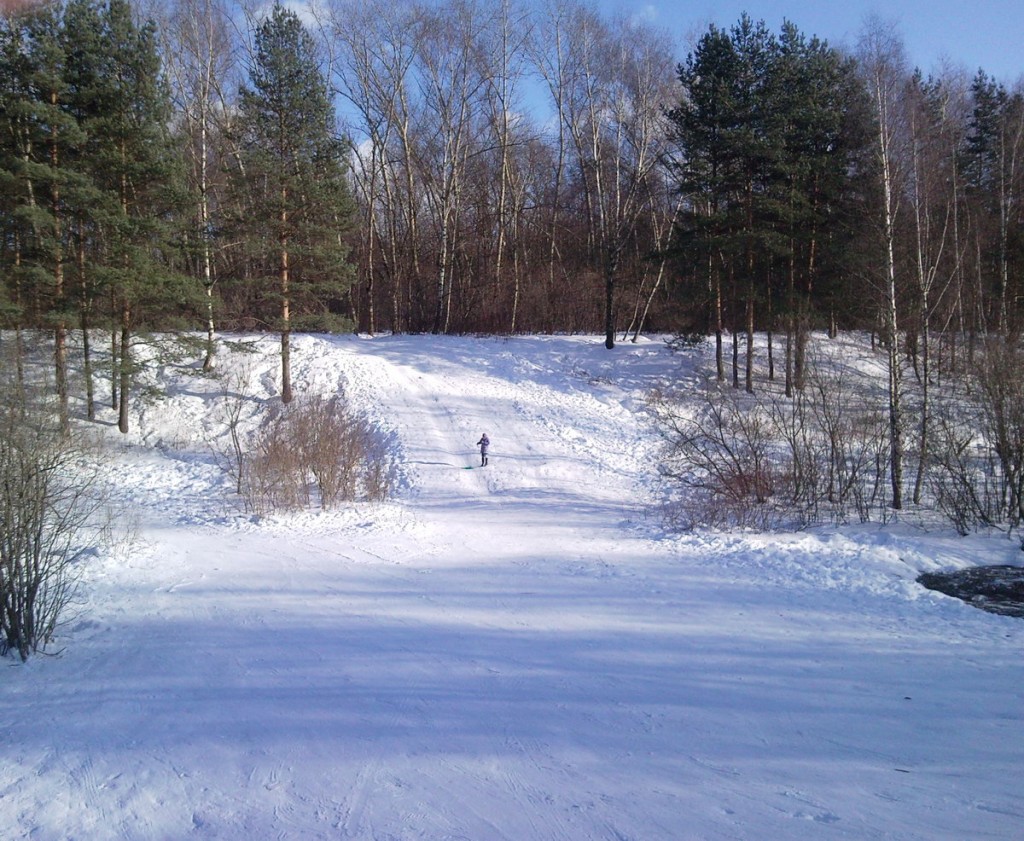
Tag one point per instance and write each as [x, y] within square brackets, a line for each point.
[757, 150]
[292, 175]
[123, 104]
[58, 132]
[995, 175]
[39, 135]
[770, 131]
[95, 210]
[821, 110]
[15, 148]
[703, 123]
[728, 130]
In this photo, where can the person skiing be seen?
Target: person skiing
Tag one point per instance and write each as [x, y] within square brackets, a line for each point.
[483, 444]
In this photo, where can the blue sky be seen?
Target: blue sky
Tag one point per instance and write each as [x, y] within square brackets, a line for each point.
[985, 33]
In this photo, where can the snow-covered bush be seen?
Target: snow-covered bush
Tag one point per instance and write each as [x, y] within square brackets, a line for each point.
[315, 448]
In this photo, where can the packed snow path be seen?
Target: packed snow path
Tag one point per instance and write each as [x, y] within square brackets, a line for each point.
[515, 652]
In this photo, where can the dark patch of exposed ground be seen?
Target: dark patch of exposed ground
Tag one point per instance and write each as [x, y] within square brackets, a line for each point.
[997, 589]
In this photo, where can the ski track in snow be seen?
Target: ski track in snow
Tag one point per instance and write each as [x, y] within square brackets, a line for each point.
[514, 652]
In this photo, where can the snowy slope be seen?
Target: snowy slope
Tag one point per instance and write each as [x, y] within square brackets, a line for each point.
[516, 652]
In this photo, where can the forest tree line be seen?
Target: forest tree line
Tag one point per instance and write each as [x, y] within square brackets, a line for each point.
[496, 166]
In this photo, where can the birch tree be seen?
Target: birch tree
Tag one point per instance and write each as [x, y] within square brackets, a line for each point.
[375, 74]
[504, 50]
[200, 60]
[452, 90]
[884, 67]
[616, 91]
[935, 139]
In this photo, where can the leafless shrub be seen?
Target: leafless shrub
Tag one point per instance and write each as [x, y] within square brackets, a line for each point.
[379, 469]
[800, 454]
[851, 446]
[1001, 387]
[978, 451]
[231, 407]
[824, 456]
[274, 475]
[766, 461]
[316, 448]
[721, 454]
[329, 445]
[962, 481]
[49, 520]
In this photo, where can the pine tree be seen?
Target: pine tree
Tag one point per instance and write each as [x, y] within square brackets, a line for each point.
[728, 130]
[297, 208]
[995, 160]
[770, 131]
[123, 106]
[757, 145]
[95, 210]
[16, 232]
[57, 132]
[39, 135]
[703, 122]
[821, 109]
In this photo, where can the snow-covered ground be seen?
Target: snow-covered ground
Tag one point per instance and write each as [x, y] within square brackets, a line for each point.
[516, 652]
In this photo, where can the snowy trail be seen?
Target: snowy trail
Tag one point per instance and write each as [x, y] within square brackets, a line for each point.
[544, 432]
[507, 653]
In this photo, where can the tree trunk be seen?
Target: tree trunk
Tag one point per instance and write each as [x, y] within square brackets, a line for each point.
[749, 371]
[90, 397]
[609, 300]
[60, 332]
[125, 367]
[204, 218]
[84, 306]
[114, 358]
[286, 368]
[886, 81]
[719, 327]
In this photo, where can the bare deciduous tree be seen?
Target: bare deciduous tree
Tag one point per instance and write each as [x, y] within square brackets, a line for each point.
[884, 66]
[375, 72]
[614, 85]
[200, 62]
[452, 87]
